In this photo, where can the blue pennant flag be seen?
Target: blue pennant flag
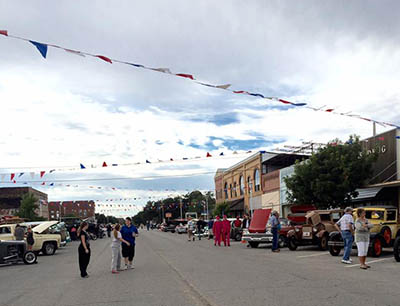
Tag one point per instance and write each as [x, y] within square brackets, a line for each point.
[41, 47]
[83, 167]
[147, 162]
[21, 174]
[299, 104]
[256, 95]
[221, 154]
[397, 137]
[52, 184]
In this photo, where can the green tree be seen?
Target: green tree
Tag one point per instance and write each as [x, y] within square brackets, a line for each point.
[331, 176]
[221, 209]
[28, 207]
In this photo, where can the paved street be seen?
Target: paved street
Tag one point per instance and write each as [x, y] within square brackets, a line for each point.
[171, 271]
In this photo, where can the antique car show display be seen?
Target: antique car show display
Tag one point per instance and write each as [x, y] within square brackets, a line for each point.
[319, 224]
[13, 252]
[384, 233]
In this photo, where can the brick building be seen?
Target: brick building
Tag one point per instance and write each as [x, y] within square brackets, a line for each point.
[10, 200]
[80, 209]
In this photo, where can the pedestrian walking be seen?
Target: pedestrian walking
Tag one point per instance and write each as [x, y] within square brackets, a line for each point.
[116, 249]
[84, 248]
[200, 226]
[275, 227]
[109, 229]
[210, 228]
[226, 231]
[190, 229]
[73, 233]
[29, 239]
[345, 225]
[19, 232]
[129, 233]
[217, 230]
[362, 237]
[148, 225]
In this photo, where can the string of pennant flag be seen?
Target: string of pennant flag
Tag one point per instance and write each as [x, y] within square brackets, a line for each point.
[43, 49]
[16, 176]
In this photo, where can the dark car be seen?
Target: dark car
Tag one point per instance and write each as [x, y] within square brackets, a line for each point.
[169, 228]
[12, 252]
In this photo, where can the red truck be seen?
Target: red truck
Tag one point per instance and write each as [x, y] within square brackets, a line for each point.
[260, 232]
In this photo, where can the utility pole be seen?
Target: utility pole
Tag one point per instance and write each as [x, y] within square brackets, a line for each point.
[181, 208]
[374, 128]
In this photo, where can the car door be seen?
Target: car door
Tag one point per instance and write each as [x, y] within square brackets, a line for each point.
[391, 221]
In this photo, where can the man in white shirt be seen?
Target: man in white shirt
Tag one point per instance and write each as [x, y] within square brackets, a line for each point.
[346, 224]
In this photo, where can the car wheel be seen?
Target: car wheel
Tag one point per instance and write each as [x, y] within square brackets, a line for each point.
[292, 243]
[387, 236]
[93, 237]
[29, 258]
[253, 244]
[49, 248]
[396, 249]
[281, 241]
[238, 237]
[376, 247]
[323, 243]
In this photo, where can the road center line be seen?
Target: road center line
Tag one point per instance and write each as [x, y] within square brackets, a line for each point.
[368, 262]
[312, 255]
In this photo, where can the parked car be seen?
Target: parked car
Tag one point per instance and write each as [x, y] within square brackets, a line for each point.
[319, 224]
[260, 232]
[44, 241]
[181, 228]
[396, 249]
[169, 228]
[384, 233]
[13, 252]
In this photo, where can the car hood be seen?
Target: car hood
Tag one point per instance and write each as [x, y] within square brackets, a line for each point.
[43, 226]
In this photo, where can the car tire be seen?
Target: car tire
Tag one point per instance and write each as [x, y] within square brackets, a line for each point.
[292, 243]
[238, 237]
[323, 242]
[376, 247]
[253, 244]
[396, 249]
[29, 258]
[282, 241]
[386, 234]
[49, 248]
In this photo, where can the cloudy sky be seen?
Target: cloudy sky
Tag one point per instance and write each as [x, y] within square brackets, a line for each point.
[66, 110]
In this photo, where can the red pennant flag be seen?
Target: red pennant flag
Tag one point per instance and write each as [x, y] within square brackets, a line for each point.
[104, 164]
[208, 155]
[239, 91]
[12, 176]
[284, 101]
[43, 183]
[329, 110]
[184, 75]
[3, 32]
[171, 159]
[104, 58]
[14, 181]
[42, 173]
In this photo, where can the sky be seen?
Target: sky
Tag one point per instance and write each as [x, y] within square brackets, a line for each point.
[65, 110]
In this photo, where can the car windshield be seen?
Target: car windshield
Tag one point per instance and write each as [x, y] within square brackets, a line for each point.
[325, 217]
[374, 214]
[284, 222]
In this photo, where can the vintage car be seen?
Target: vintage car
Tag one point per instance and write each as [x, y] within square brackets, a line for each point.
[181, 228]
[319, 224]
[396, 249]
[386, 229]
[44, 241]
[12, 252]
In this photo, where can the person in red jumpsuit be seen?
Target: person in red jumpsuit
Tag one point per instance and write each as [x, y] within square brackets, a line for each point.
[226, 231]
[217, 230]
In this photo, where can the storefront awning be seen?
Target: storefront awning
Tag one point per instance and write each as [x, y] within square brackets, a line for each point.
[237, 205]
[367, 193]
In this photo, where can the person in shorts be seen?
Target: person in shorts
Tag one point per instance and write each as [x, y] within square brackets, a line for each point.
[129, 233]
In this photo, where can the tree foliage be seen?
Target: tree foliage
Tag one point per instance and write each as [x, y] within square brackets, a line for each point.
[331, 176]
[28, 207]
[221, 209]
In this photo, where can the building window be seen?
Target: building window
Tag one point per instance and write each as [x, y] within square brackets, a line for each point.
[256, 180]
[249, 185]
[234, 189]
[226, 190]
[241, 184]
[230, 190]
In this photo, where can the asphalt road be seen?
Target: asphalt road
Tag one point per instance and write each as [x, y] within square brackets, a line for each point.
[172, 271]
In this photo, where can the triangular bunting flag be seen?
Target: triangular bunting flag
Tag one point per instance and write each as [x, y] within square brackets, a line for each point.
[21, 174]
[3, 32]
[75, 52]
[43, 183]
[148, 162]
[42, 173]
[184, 75]
[329, 110]
[41, 47]
[104, 164]
[12, 176]
[82, 166]
[221, 154]
[226, 86]
[52, 184]
[104, 58]
[164, 70]
[52, 170]
[208, 155]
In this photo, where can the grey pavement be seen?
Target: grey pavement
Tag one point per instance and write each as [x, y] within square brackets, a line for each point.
[172, 271]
